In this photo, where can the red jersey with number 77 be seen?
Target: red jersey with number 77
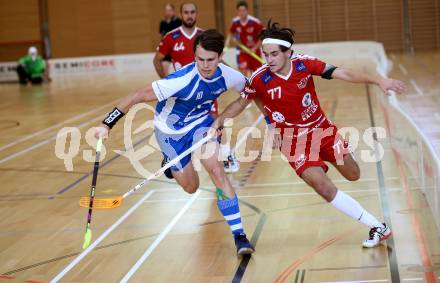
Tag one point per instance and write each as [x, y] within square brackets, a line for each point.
[290, 101]
[179, 46]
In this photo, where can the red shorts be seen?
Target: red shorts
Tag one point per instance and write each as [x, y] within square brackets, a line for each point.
[314, 148]
[247, 62]
[214, 109]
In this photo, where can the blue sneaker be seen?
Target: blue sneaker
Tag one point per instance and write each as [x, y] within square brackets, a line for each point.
[243, 245]
[167, 172]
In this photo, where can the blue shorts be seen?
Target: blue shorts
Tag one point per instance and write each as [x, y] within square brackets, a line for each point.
[173, 145]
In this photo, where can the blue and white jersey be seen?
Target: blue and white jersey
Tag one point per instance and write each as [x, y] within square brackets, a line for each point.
[186, 97]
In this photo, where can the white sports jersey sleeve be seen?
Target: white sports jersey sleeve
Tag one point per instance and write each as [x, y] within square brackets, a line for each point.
[170, 86]
[233, 78]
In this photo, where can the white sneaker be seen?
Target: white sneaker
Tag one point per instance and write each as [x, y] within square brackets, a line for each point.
[377, 235]
[231, 165]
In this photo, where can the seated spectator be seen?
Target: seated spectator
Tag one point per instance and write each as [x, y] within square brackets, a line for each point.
[31, 68]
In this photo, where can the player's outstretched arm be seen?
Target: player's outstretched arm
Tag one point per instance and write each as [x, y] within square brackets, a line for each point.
[157, 62]
[228, 41]
[260, 107]
[386, 84]
[143, 95]
[231, 111]
[231, 41]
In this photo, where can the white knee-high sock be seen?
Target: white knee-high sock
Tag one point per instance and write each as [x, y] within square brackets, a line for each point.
[225, 150]
[352, 208]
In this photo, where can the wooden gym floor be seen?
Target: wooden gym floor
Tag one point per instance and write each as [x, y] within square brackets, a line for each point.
[298, 236]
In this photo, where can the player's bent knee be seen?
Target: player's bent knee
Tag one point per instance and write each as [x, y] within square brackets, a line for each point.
[190, 189]
[354, 174]
[190, 185]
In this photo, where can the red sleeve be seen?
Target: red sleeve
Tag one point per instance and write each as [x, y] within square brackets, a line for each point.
[258, 28]
[165, 45]
[232, 28]
[315, 66]
[250, 90]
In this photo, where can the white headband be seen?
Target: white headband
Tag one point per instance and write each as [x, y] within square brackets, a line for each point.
[277, 41]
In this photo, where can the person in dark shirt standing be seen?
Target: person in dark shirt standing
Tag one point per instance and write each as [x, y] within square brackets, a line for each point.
[170, 22]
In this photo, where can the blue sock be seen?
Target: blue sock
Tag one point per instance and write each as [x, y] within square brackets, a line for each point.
[231, 211]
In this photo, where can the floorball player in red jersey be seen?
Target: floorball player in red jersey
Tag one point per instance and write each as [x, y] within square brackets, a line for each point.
[178, 43]
[305, 136]
[246, 29]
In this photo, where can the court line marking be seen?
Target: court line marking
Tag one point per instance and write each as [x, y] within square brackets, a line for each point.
[311, 253]
[429, 275]
[415, 279]
[357, 281]
[347, 268]
[80, 179]
[245, 136]
[403, 69]
[416, 227]
[37, 145]
[383, 198]
[56, 125]
[159, 239]
[303, 183]
[241, 269]
[178, 190]
[53, 260]
[104, 246]
[378, 280]
[7, 277]
[42, 171]
[101, 238]
[165, 232]
[105, 193]
[417, 88]
[390, 189]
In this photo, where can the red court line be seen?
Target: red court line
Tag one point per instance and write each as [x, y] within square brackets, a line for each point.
[288, 271]
[9, 277]
[429, 275]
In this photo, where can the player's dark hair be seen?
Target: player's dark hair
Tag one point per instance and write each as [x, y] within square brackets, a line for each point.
[274, 30]
[184, 3]
[242, 3]
[210, 40]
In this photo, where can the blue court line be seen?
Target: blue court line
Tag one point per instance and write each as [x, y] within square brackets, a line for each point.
[82, 178]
